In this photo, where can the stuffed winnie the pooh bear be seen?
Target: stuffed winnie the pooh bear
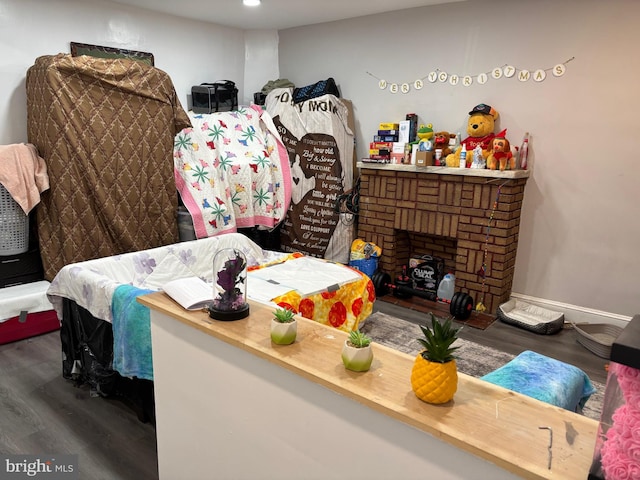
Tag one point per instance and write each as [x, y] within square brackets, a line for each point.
[500, 153]
[480, 126]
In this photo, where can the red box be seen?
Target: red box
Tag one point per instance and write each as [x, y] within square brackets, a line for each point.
[34, 324]
[380, 145]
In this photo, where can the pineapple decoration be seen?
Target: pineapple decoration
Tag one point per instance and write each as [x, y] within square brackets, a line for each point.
[434, 376]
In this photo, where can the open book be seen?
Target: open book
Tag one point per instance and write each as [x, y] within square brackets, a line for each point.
[192, 293]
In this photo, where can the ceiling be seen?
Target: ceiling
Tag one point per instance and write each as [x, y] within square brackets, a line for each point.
[276, 14]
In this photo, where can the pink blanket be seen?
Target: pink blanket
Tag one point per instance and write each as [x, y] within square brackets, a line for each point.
[232, 170]
[23, 173]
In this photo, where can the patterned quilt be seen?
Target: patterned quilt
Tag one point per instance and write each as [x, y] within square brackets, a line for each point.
[232, 170]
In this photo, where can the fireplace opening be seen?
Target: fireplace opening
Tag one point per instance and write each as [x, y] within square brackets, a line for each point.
[471, 222]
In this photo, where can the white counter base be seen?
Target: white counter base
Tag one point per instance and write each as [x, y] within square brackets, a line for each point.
[225, 413]
[231, 405]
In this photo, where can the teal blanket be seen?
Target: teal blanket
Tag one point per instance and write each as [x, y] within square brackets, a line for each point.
[131, 333]
[545, 379]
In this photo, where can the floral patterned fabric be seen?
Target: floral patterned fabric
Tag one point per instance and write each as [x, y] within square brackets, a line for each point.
[232, 170]
[91, 284]
[108, 287]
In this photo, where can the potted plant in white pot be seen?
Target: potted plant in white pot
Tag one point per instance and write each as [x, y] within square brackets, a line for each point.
[357, 354]
[284, 326]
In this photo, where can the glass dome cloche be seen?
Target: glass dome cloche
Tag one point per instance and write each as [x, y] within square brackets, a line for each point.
[229, 286]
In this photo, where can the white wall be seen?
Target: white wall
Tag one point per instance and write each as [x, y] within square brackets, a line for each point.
[261, 61]
[580, 227]
[190, 52]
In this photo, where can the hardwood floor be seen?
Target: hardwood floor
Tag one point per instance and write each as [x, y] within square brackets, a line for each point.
[562, 346]
[42, 413]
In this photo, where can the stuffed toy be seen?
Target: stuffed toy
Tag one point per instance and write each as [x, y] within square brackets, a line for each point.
[441, 147]
[425, 134]
[480, 126]
[500, 153]
[441, 140]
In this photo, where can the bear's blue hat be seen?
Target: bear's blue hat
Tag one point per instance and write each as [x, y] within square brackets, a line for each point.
[483, 108]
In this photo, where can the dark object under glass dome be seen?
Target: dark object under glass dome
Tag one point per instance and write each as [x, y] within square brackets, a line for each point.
[230, 289]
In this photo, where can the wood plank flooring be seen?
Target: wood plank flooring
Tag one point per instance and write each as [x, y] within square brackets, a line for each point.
[42, 413]
[562, 346]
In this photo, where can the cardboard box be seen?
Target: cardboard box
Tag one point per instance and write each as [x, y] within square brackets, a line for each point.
[413, 129]
[398, 147]
[380, 145]
[379, 151]
[385, 138]
[397, 158]
[388, 132]
[388, 126]
[405, 131]
[425, 272]
[424, 159]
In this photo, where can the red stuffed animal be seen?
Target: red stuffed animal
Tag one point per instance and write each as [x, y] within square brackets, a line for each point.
[500, 153]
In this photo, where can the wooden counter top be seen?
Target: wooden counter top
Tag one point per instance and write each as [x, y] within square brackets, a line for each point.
[488, 421]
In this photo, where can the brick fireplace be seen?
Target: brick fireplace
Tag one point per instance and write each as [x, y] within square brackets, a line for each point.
[446, 212]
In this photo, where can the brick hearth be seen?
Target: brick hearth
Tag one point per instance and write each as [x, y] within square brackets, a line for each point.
[445, 212]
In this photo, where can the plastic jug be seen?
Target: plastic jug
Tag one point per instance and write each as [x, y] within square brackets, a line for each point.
[447, 287]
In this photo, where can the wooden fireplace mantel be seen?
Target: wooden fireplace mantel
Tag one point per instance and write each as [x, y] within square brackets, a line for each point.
[469, 217]
[470, 172]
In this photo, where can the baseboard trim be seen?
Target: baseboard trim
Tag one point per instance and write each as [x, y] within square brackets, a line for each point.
[574, 313]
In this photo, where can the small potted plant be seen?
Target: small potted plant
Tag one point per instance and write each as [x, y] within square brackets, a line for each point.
[434, 376]
[284, 326]
[356, 352]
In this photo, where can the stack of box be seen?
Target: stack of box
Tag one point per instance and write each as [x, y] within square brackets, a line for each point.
[382, 146]
[390, 143]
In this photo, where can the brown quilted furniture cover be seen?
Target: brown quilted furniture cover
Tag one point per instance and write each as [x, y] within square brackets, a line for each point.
[105, 128]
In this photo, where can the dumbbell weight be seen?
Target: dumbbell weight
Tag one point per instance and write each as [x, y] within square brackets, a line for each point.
[381, 282]
[460, 306]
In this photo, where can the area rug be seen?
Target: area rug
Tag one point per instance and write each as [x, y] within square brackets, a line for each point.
[472, 358]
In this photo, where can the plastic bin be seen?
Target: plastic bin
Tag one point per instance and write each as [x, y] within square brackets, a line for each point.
[368, 266]
[14, 225]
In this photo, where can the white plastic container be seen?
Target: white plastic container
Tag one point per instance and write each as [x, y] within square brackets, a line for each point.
[447, 287]
[463, 157]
